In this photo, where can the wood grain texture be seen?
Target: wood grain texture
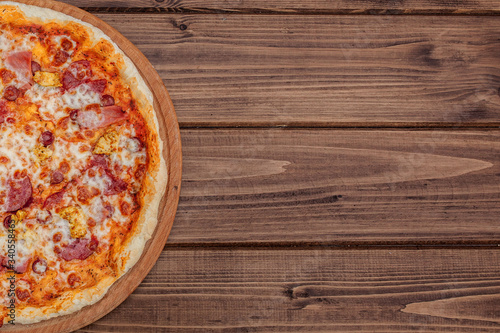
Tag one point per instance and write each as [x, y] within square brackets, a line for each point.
[296, 6]
[258, 70]
[229, 290]
[338, 187]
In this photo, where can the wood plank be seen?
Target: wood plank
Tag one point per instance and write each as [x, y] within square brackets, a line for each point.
[227, 290]
[296, 6]
[338, 187]
[261, 70]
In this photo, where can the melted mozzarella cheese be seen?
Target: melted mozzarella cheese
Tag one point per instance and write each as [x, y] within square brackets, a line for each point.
[27, 241]
[76, 154]
[59, 224]
[80, 97]
[49, 101]
[129, 153]
[16, 147]
[10, 43]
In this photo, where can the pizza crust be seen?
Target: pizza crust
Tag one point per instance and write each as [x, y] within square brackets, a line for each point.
[154, 185]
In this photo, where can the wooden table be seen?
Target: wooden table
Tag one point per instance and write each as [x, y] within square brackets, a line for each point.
[341, 165]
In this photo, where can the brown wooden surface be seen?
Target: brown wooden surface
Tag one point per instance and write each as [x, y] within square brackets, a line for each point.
[376, 212]
[295, 6]
[339, 186]
[317, 290]
[309, 70]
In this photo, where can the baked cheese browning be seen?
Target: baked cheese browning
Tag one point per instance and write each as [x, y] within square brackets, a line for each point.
[73, 159]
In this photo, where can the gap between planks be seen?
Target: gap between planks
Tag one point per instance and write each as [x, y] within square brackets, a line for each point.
[334, 246]
[337, 125]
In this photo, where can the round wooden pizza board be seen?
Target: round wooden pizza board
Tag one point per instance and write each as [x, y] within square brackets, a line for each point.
[169, 132]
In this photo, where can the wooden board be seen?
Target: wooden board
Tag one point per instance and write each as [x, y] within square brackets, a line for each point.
[310, 70]
[315, 290]
[299, 6]
[339, 187]
[172, 152]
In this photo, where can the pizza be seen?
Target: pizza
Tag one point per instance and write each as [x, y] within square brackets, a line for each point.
[81, 166]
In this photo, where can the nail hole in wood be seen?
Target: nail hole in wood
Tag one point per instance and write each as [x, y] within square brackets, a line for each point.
[183, 27]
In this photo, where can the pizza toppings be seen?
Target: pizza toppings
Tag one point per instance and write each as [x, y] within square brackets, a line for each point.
[66, 44]
[53, 200]
[21, 266]
[60, 58]
[97, 86]
[94, 116]
[64, 167]
[4, 112]
[107, 143]
[108, 211]
[79, 249]
[35, 67]
[11, 93]
[6, 76]
[42, 153]
[107, 100]
[99, 161]
[47, 138]
[20, 63]
[19, 192]
[7, 221]
[57, 237]
[73, 279]
[39, 265]
[57, 177]
[76, 73]
[114, 185]
[47, 79]
[76, 219]
[22, 294]
[73, 115]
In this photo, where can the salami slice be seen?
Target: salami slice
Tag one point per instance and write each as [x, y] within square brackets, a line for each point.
[19, 191]
[98, 85]
[76, 74]
[4, 111]
[53, 200]
[115, 184]
[80, 249]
